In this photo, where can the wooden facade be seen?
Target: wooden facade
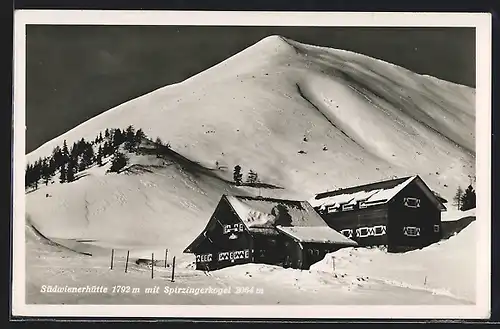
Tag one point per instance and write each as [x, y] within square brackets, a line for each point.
[401, 214]
[261, 230]
[225, 241]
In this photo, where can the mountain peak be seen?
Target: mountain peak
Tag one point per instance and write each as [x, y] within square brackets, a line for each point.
[272, 42]
[273, 38]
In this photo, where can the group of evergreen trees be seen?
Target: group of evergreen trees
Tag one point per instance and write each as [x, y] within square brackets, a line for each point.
[465, 200]
[160, 146]
[252, 176]
[82, 155]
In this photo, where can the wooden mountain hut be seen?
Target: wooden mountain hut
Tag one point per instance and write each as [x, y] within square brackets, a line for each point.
[402, 213]
[263, 230]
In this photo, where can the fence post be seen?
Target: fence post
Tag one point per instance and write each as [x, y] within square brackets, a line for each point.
[166, 253]
[152, 265]
[173, 268]
[126, 262]
[112, 255]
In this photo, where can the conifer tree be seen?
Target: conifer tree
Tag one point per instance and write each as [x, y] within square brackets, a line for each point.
[81, 146]
[252, 177]
[99, 156]
[118, 162]
[65, 153]
[45, 171]
[80, 165]
[73, 153]
[468, 199]
[36, 173]
[52, 166]
[72, 169]
[58, 157]
[158, 147]
[63, 171]
[457, 199]
[87, 156]
[27, 176]
[107, 149]
[139, 135]
[237, 175]
[118, 138]
[130, 132]
[130, 139]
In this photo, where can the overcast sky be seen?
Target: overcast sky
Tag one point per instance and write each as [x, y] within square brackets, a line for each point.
[77, 72]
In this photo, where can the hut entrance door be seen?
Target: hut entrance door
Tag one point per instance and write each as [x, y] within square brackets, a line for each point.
[292, 255]
[288, 260]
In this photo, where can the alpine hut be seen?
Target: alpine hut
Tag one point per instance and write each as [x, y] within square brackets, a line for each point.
[246, 229]
[402, 213]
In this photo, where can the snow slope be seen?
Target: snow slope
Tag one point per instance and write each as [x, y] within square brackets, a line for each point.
[356, 119]
[376, 120]
[155, 203]
[446, 267]
[49, 264]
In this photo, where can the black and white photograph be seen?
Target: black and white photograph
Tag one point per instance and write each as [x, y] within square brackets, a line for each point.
[251, 164]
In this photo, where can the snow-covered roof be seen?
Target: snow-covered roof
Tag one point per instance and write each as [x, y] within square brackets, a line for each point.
[261, 212]
[319, 234]
[250, 216]
[263, 216]
[375, 193]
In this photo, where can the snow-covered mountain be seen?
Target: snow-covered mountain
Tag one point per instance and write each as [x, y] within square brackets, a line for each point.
[305, 118]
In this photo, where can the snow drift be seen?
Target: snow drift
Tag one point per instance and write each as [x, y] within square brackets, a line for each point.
[446, 267]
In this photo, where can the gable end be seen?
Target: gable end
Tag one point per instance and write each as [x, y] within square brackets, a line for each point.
[426, 190]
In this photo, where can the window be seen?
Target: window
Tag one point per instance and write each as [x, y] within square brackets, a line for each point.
[377, 230]
[411, 231]
[347, 232]
[347, 207]
[362, 232]
[436, 228]
[375, 203]
[332, 209]
[411, 202]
